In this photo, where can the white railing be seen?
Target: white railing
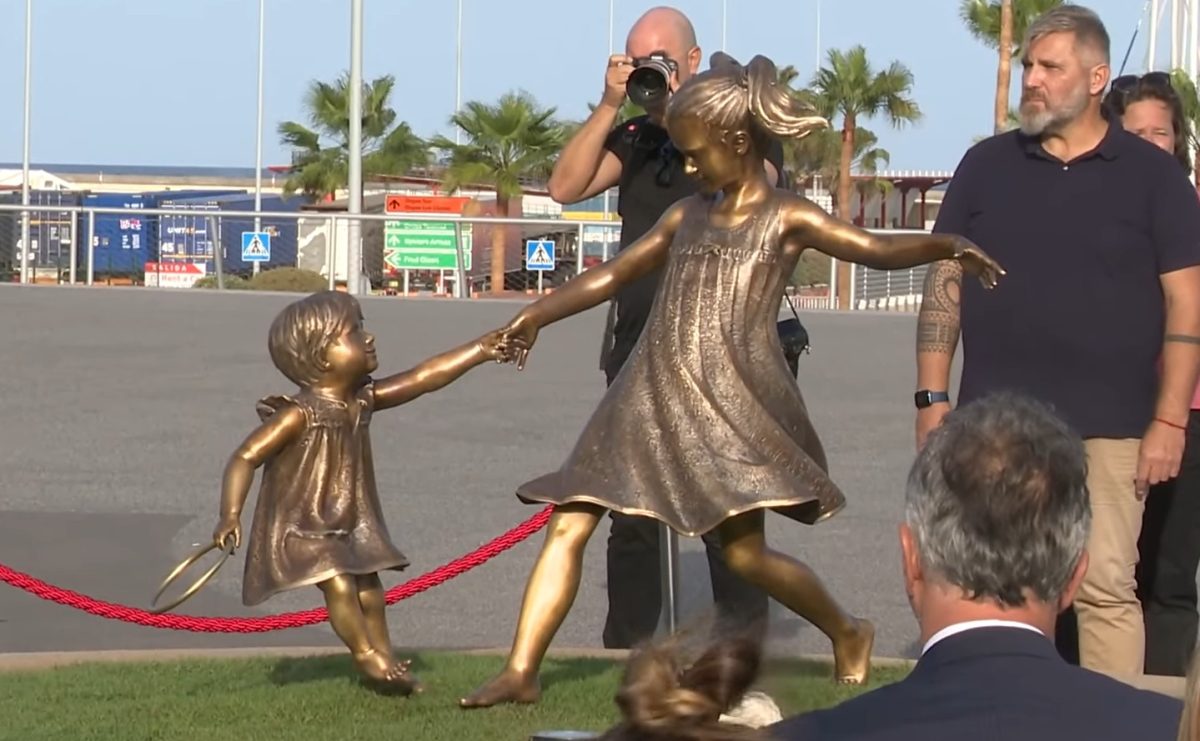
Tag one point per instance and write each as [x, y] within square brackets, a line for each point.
[76, 243]
[887, 290]
[81, 244]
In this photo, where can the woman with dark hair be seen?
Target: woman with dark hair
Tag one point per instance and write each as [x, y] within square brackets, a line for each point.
[1149, 107]
[1169, 547]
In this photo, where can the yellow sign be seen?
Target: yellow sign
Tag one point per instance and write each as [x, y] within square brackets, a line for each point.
[590, 215]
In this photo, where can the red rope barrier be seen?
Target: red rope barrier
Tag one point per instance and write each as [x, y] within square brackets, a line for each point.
[268, 623]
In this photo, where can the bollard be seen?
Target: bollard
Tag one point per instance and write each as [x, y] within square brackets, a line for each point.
[668, 551]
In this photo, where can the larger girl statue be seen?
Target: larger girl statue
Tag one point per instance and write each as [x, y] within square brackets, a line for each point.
[705, 426]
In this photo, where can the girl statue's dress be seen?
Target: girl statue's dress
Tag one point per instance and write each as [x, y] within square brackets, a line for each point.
[705, 421]
[318, 512]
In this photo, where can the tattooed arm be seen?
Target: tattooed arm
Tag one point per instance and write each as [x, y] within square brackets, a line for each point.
[937, 339]
[938, 322]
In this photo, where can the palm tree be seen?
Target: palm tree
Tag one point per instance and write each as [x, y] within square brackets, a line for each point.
[849, 87]
[628, 110]
[818, 155]
[1004, 65]
[1001, 25]
[507, 142]
[319, 171]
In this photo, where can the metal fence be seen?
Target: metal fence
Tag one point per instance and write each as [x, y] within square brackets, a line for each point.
[887, 290]
[177, 247]
[70, 242]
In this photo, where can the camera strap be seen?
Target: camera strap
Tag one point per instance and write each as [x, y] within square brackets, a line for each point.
[791, 306]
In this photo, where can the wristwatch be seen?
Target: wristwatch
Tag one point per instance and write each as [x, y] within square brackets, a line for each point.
[925, 398]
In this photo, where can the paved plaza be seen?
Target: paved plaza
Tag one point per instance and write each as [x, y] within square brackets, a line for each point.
[120, 407]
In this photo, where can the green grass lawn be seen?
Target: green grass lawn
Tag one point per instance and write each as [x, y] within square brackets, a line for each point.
[319, 698]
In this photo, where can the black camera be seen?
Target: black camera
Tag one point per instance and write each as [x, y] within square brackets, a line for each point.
[650, 83]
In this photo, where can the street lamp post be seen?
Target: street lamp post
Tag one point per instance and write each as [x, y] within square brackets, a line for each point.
[354, 225]
[724, 24]
[25, 246]
[258, 134]
[458, 72]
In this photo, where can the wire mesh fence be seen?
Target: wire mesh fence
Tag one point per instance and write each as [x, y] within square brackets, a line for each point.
[182, 240]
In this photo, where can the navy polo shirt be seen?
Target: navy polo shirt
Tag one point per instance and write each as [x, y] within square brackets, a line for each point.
[1078, 320]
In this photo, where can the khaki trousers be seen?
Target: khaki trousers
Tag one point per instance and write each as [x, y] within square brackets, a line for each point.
[1112, 637]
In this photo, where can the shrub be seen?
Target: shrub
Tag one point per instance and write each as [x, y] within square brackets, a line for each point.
[293, 280]
[232, 282]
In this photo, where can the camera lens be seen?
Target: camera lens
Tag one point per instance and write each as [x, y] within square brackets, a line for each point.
[648, 84]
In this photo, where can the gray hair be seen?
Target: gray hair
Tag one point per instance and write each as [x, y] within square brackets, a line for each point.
[1083, 22]
[998, 502]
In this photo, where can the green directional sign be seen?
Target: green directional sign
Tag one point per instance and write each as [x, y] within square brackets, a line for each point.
[424, 245]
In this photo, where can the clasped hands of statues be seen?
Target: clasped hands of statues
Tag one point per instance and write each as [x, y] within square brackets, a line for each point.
[512, 342]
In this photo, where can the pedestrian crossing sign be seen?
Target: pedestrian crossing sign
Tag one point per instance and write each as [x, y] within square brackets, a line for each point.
[256, 246]
[539, 254]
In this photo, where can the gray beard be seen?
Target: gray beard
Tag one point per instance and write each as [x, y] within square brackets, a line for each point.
[1053, 120]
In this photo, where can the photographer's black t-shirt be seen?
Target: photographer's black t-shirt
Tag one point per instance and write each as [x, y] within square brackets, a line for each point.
[652, 178]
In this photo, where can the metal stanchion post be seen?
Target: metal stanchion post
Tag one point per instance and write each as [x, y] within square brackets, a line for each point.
[91, 248]
[579, 252]
[218, 249]
[460, 271]
[668, 550]
[331, 252]
[74, 253]
[833, 284]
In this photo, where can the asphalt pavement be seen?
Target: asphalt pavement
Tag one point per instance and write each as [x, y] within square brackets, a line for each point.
[121, 405]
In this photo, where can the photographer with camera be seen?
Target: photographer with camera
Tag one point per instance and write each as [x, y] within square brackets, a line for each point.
[661, 53]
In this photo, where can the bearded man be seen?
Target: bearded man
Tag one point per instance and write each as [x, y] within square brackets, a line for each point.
[1099, 315]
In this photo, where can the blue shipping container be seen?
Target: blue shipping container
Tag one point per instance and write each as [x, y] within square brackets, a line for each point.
[123, 243]
[191, 238]
[51, 233]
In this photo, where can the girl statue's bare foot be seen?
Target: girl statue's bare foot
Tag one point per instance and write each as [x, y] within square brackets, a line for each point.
[507, 686]
[385, 676]
[852, 654]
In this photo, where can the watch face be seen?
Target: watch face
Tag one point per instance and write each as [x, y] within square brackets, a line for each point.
[927, 398]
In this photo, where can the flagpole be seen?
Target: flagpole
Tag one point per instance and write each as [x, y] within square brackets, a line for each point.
[354, 266]
[458, 49]
[258, 135]
[25, 247]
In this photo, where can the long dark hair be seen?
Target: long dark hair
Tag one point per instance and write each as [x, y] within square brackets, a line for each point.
[1131, 89]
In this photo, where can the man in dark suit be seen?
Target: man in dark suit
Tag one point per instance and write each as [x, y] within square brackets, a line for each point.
[993, 540]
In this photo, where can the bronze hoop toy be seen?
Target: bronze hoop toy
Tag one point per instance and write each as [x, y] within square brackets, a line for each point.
[226, 548]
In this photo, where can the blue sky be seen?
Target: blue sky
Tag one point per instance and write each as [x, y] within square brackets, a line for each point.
[173, 82]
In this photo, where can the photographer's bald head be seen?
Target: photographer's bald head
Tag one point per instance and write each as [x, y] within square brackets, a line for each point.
[666, 31]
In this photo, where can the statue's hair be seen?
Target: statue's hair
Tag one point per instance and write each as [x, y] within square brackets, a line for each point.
[305, 329]
[730, 97]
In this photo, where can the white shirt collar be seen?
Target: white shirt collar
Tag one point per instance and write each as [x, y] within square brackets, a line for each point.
[957, 628]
